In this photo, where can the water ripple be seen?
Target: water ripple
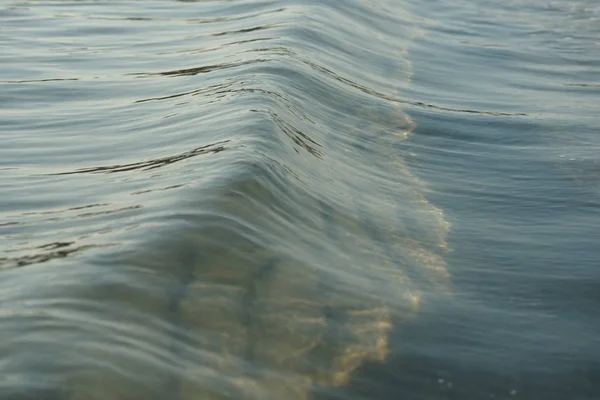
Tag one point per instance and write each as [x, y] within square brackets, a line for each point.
[152, 164]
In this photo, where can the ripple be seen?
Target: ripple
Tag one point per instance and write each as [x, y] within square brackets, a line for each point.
[152, 164]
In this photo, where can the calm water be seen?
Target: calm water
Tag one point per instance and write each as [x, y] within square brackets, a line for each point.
[300, 199]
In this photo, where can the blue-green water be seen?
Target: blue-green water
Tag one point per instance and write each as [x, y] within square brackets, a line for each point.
[299, 200]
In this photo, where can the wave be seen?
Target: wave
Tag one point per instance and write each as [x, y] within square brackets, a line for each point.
[256, 231]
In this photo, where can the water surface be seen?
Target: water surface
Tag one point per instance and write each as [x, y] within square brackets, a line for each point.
[297, 199]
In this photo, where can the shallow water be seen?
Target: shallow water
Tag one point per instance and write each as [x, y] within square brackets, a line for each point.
[296, 199]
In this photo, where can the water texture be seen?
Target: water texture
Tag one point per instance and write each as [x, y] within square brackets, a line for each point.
[299, 199]
[207, 199]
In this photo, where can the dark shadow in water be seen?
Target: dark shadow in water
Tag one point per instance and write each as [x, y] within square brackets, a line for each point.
[164, 19]
[63, 215]
[591, 85]
[246, 30]
[42, 80]
[151, 164]
[44, 253]
[201, 70]
[298, 137]
[213, 89]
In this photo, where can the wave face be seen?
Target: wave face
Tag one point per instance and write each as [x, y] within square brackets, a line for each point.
[208, 199]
